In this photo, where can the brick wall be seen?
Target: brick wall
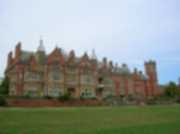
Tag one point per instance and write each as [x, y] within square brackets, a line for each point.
[51, 103]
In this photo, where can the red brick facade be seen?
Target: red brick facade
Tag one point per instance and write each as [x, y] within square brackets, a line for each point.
[39, 74]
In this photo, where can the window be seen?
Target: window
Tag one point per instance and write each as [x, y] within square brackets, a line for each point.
[33, 76]
[55, 91]
[55, 75]
[12, 89]
[108, 92]
[108, 82]
[72, 79]
[55, 72]
[87, 93]
[13, 78]
[86, 79]
[71, 70]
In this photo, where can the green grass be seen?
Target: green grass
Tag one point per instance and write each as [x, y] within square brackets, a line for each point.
[91, 120]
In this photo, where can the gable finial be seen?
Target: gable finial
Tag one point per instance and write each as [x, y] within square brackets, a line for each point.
[93, 54]
[41, 47]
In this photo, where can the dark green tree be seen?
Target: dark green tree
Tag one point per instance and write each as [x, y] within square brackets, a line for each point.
[4, 87]
[172, 90]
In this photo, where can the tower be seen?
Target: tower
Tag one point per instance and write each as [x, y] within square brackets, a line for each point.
[150, 68]
[40, 54]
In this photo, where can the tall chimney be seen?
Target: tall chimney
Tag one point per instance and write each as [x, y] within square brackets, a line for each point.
[10, 59]
[18, 51]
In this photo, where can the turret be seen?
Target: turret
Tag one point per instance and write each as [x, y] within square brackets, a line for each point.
[150, 68]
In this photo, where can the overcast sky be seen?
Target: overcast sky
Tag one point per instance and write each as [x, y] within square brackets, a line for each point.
[129, 31]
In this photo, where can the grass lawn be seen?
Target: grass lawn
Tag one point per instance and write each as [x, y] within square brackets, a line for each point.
[91, 120]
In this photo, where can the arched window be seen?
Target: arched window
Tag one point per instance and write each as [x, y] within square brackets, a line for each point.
[55, 73]
[55, 90]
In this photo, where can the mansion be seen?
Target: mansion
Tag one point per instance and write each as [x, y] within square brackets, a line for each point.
[40, 74]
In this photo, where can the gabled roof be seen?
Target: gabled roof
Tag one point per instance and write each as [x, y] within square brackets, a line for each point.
[72, 59]
[26, 56]
[56, 56]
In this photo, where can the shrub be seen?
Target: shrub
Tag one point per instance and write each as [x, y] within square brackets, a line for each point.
[65, 97]
[82, 97]
[93, 98]
[3, 101]
[108, 97]
[171, 90]
[178, 99]
[151, 101]
[27, 96]
[131, 98]
[4, 87]
[48, 97]
[99, 90]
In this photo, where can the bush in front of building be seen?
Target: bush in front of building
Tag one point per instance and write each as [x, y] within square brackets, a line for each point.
[178, 99]
[87, 97]
[131, 98]
[4, 87]
[48, 97]
[151, 101]
[65, 97]
[3, 101]
[4, 90]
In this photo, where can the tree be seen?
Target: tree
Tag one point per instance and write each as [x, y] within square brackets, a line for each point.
[4, 87]
[172, 90]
